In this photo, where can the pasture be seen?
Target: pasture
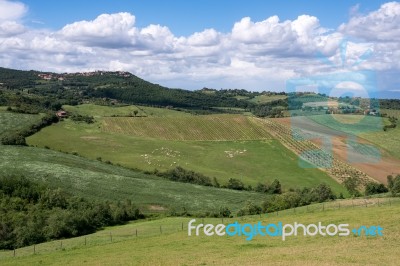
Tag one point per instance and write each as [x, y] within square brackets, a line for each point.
[251, 161]
[128, 110]
[166, 242]
[267, 98]
[15, 121]
[101, 181]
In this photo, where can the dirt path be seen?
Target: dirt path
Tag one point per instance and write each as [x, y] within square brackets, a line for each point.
[379, 169]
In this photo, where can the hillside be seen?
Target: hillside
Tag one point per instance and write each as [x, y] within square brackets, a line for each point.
[121, 86]
[102, 181]
[210, 127]
[221, 146]
[166, 242]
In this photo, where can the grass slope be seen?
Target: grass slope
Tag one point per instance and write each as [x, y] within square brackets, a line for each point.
[15, 121]
[267, 98]
[251, 161]
[174, 247]
[207, 127]
[367, 127]
[107, 111]
[101, 181]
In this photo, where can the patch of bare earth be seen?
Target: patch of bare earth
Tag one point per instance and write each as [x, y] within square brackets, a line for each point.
[157, 208]
[379, 170]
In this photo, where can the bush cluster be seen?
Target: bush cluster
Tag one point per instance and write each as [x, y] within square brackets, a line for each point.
[32, 213]
[18, 137]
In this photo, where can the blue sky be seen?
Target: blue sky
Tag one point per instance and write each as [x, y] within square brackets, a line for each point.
[185, 17]
[254, 45]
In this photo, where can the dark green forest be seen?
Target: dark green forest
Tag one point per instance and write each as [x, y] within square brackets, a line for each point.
[32, 213]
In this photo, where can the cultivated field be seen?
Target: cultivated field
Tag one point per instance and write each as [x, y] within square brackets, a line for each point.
[250, 161]
[166, 242]
[207, 127]
[366, 127]
[107, 111]
[389, 140]
[267, 98]
[350, 124]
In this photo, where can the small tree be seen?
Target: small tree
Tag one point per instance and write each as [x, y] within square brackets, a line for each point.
[351, 184]
[374, 188]
[135, 112]
[235, 184]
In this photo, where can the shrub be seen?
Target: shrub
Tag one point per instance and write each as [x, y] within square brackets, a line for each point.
[235, 184]
[374, 188]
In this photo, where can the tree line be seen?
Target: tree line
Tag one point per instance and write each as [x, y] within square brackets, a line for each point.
[18, 137]
[31, 213]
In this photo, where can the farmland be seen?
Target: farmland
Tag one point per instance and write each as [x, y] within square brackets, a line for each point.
[389, 140]
[14, 121]
[367, 127]
[127, 110]
[210, 127]
[172, 245]
[268, 158]
[100, 181]
[350, 124]
[267, 98]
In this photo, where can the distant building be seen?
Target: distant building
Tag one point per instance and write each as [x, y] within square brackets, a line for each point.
[62, 114]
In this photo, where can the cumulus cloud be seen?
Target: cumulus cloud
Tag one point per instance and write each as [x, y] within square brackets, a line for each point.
[10, 14]
[9, 28]
[11, 11]
[110, 30]
[253, 55]
[380, 25]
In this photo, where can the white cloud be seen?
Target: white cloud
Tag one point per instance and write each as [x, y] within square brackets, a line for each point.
[253, 55]
[380, 25]
[208, 37]
[11, 10]
[10, 14]
[109, 30]
[9, 28]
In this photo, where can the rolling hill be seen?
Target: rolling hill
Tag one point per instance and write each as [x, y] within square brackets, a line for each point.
[166, 241]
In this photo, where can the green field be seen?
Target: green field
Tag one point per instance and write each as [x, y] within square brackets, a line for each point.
[391, 112]
[367, 127]
[351, 124]
[15, 121]
[164, 242]
[107, 111]
[250, 161]
[93, 179]
[267, 98]
[206, 127]
[388, 140]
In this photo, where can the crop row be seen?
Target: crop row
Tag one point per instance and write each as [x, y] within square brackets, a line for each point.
[308, 151]
[211, 127]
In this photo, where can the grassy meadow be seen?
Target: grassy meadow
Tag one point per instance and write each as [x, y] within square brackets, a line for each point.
[226, 159]
[15, 121]
[101, 181]
[267, 98]
[165, 242]
[128, 110]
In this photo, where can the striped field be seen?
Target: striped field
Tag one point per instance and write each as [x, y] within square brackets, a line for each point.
[210, 127]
